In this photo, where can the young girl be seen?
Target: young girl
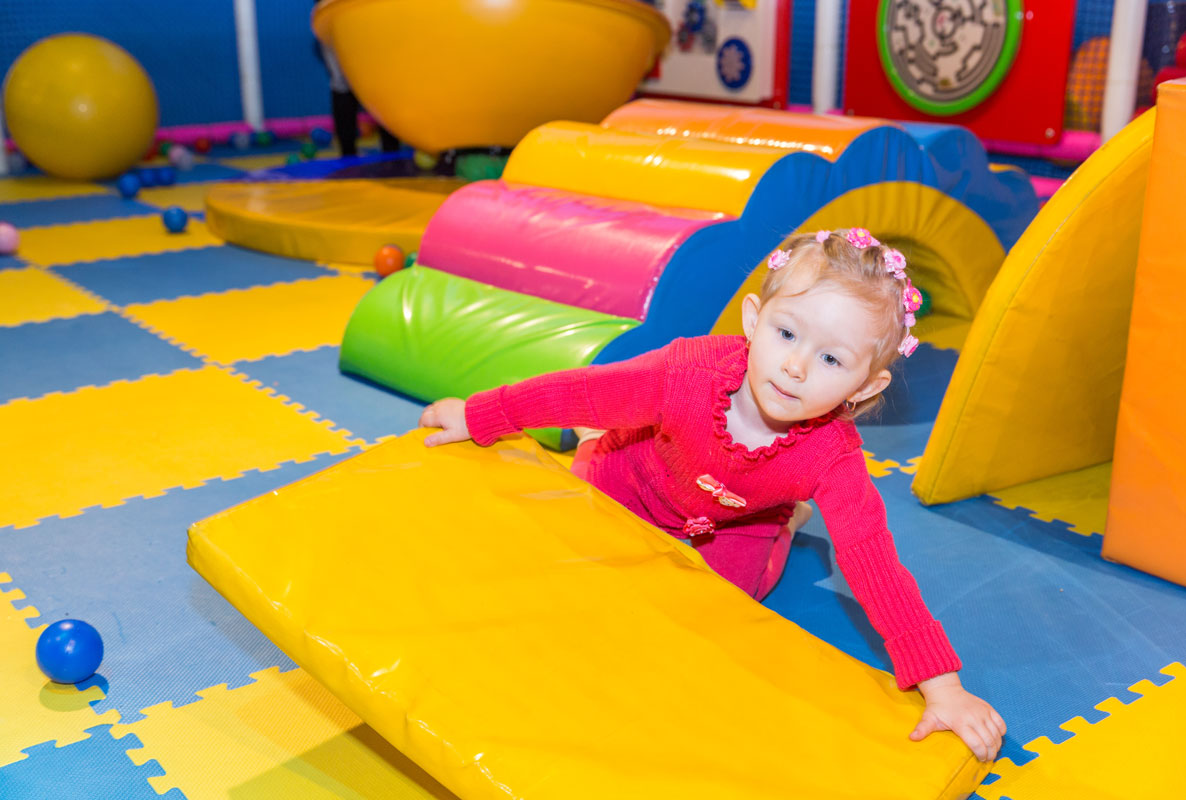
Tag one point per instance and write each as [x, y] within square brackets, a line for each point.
[718, 439]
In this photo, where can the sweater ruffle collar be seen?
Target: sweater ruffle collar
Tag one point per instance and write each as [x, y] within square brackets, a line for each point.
[726, 382]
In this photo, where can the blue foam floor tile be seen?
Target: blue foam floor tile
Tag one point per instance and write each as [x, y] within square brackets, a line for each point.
[313, 380]
[11, 262]
[164, 276]
[209, 171]
[96, 768]
[1046, 628]
[90, 350]
[167, 634]
[64, 210]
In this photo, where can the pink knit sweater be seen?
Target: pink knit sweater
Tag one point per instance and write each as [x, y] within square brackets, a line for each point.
[665, 413]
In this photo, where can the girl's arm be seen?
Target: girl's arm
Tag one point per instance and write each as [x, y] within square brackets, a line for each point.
[917, 645]
[628, 394]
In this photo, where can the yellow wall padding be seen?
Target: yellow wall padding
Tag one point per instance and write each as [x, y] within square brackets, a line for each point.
[661, 170]
[1147, 507]
[950, 250]
[1037, 386]
[825, 135]
[339, 220]
[518, 634]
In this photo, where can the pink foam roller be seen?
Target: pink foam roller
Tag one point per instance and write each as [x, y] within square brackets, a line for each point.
[593, 252]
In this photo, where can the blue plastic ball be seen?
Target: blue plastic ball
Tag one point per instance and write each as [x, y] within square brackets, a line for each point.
[166, 176]
[69, 651]
[321, 137]
[175, 219]
[128, 185]
[147, 176]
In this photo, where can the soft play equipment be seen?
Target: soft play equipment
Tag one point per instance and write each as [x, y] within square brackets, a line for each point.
[79, 107]
[449, 74]
[1037, 385]
[546, 643]
[343, 220]
[452, 74]
[1147, 505]
[655, 223]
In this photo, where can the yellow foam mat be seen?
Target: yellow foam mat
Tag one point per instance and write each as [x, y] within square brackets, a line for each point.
[517, 633]
[29, 294]
[283, 735]
[43, 187]
[112, 238]
[1132, 753]
[251, 323]
[1078, 498]
[66, 452]
[338, 220]
[33, 709]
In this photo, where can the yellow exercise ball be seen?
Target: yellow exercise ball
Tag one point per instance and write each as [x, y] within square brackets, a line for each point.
[79, 106]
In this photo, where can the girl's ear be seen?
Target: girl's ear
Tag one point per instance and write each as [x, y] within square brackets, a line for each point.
[749, 314]
[873, 387]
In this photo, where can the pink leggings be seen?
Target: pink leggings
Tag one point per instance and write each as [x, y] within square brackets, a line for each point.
[751, 563]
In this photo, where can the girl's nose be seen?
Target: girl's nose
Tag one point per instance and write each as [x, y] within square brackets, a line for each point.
[793, 366]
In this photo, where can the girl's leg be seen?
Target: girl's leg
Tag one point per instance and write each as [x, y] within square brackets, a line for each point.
[586, 444]
[751, 563]
[782, 549]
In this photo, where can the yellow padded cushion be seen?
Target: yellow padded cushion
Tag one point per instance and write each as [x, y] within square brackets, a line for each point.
[517, 633]
[1037, 385]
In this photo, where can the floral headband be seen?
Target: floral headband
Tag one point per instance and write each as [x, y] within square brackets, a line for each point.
[895, 264]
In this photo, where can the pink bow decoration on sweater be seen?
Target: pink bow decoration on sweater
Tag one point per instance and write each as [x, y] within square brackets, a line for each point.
[698, 526]
[725, 497]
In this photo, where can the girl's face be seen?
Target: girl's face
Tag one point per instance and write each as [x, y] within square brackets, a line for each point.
[809, 353]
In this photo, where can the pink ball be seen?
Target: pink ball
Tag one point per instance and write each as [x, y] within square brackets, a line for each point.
[9, 239]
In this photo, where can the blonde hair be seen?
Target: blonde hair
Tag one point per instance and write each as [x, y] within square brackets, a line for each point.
[859, 272]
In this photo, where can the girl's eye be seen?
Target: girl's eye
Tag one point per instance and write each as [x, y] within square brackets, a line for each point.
[831, 361]
[784, 333]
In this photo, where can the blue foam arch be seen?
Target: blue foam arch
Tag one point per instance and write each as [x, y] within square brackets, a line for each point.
[715, 261]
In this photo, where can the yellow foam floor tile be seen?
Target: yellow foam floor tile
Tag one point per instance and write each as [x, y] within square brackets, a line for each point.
[100, 446]
[242, 324]
[1132, 753]
[1078, 498]
[190, 196]
[111, 238]
[34, 295]
[43, 187]
[34, 710]
[282, 736]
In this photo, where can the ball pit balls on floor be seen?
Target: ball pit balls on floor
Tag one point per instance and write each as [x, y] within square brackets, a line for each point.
[80, 107]
[388, 259]
[10, 239]
[128, 185]
[69, 651]
[175, 219]
[321, 137]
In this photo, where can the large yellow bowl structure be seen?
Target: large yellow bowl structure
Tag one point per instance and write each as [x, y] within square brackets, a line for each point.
[443, 74]
[80, 107]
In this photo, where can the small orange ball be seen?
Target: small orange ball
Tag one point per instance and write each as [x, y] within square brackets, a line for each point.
[388, 259]
[202, 145]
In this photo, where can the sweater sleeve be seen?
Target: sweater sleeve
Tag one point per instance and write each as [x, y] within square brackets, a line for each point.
[865, 553]
[627, 394]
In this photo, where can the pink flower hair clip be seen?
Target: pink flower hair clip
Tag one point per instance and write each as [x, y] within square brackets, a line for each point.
[861, 238]
[911, 301]
[822, 236]
[778, 259]
[895, 262]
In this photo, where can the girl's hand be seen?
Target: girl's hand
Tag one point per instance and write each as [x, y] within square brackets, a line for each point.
[448, 415]
[950, 707]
